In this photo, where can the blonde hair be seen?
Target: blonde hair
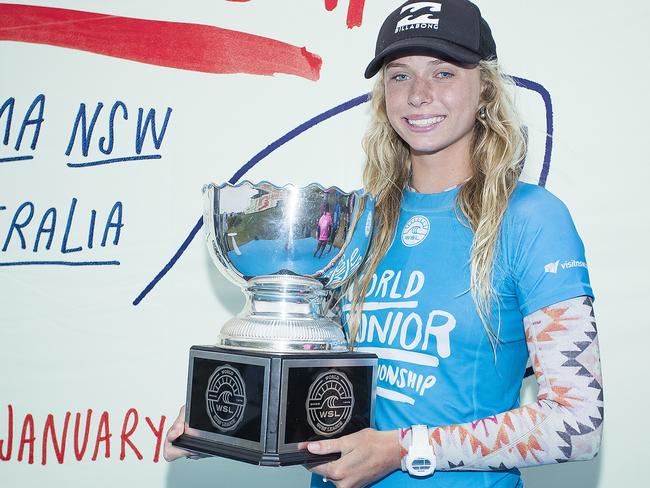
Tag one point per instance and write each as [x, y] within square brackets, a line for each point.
[496, 152]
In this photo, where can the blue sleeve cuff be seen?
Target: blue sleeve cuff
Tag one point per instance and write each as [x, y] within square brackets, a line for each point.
[556, 296]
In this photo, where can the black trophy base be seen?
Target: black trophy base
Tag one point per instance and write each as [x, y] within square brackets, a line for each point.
[273, 459]
[261, 408]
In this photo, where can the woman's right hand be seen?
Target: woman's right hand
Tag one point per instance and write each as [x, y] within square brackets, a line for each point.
[170, 452]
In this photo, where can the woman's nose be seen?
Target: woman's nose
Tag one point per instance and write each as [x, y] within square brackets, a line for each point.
[420, 93]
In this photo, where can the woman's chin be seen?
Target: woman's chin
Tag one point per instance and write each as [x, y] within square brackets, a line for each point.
[424, 150]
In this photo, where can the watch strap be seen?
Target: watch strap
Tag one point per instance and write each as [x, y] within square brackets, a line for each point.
[420, 435]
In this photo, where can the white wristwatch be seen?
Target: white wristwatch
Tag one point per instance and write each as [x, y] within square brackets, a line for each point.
[420, 460]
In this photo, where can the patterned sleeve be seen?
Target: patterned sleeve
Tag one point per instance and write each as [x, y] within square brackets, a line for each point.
[564, 424]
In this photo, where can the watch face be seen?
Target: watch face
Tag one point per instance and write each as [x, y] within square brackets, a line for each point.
[421, 465]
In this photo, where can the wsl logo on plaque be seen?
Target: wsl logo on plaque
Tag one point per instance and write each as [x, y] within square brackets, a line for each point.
[329, 403]
[225, 398]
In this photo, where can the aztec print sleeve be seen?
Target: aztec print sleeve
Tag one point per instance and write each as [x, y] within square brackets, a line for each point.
[564, 424]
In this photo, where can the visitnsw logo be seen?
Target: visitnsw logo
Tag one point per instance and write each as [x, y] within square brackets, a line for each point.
[419, 16]
[553, 267]
[415, 230]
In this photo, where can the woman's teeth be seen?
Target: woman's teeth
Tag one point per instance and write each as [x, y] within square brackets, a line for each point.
[425, 122]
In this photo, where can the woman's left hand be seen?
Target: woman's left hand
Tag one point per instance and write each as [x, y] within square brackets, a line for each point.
[366, 456]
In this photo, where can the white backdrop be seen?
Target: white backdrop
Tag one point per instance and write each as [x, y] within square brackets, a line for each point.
[107, 336]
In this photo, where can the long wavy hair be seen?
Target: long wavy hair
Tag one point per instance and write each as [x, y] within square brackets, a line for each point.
[497, 150]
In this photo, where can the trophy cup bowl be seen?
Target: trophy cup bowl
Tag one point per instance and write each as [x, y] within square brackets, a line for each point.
[281, 373]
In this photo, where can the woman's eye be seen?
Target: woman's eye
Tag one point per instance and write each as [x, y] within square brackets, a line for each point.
[400, 77]
[443, 75]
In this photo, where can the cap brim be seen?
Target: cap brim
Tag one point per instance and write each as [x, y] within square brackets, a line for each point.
[436, 47]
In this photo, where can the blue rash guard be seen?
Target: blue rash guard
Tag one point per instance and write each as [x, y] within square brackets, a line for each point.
[437, 366]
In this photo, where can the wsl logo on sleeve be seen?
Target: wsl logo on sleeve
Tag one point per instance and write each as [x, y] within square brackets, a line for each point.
[419, 15]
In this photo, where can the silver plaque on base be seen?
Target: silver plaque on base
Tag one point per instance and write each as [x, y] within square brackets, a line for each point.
[281, 373]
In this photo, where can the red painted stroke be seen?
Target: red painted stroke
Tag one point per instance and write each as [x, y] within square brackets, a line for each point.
[355, 13]
[192, 47]
[331, 5]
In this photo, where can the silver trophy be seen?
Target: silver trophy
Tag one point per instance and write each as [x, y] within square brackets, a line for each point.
[281, 373]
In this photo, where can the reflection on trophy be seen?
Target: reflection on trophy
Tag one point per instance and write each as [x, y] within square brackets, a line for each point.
[281, 373]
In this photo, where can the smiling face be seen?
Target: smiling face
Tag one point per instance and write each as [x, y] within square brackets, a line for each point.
[432, 104]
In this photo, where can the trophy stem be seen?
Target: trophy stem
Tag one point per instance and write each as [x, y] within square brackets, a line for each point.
[283, 313]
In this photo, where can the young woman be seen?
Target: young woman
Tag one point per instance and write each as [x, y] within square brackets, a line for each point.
[471, 273]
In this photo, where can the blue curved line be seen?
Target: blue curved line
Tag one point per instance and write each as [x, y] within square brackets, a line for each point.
[546, 96]
[244, 169]
[172, 262]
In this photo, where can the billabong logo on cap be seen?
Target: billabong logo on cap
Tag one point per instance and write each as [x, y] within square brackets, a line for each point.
[418, 16]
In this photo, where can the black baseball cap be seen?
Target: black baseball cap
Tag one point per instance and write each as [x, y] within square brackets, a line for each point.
[451, 29]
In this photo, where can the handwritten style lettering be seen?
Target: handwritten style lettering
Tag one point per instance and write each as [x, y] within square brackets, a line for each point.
[57, 435]
[23, 224]
[84, 127]
[31, 124]
[410, 342]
